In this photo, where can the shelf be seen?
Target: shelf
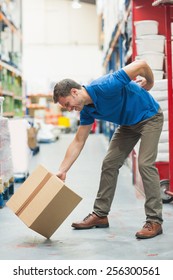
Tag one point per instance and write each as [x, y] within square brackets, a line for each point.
[39, 100]
[18, 98]
[8, 114]
[11, 80]
[117, 35]
[35, 106]
[6, 93]
[161, 2]
[10, 68]
[38, 95]
[10, 25]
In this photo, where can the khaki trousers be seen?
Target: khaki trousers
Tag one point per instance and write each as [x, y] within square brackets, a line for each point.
[122, 143]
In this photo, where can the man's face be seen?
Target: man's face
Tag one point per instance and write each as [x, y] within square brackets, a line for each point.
[72, 102]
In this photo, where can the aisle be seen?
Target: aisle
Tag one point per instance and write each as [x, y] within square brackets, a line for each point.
[113, 243]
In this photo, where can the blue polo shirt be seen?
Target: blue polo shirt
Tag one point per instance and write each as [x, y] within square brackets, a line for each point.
[119, 100]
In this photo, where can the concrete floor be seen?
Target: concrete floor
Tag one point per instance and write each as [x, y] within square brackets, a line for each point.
[117, 242]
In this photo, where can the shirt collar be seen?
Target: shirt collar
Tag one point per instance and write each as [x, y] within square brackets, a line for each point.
[91, 93]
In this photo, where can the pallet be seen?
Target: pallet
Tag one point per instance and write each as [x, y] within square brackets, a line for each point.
[20, 177]
[5, 195]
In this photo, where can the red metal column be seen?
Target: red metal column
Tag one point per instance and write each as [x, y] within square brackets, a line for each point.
[170, 92]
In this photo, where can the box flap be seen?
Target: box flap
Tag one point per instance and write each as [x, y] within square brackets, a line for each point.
[26, 190]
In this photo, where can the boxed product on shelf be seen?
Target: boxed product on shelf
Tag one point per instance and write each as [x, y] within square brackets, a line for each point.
[165, 125]
[160, 85]
[153, 43]
[160, 92]
[165, 113]
[164, 137]
[154, 59]
[158, 74]
[163, 147]
[43, 202]
[146, 27]
[159, 95]
[150, 46]
[164, 104]
[162, 157]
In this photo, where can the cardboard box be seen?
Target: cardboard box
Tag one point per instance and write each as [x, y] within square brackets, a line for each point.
[32, 137]
[43, 202]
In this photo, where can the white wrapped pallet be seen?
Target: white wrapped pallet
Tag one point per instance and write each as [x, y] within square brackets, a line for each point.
[6, 166]
[158, 74]
[20, 150]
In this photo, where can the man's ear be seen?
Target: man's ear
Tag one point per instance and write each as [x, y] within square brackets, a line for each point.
[74, 92]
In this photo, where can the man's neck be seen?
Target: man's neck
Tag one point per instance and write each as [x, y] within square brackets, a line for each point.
[87, 97]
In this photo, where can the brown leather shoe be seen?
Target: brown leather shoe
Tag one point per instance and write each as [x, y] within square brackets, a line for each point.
[92, 220]
[150, 229]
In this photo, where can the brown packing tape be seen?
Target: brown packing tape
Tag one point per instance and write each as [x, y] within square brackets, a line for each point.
[33, 194]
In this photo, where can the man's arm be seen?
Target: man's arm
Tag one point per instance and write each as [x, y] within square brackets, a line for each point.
[74, 150]
[140, 68]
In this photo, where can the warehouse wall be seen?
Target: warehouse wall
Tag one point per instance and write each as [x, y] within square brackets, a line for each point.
[59, 42]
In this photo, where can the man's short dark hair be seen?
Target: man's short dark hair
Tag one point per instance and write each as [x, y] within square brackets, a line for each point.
[63, 88]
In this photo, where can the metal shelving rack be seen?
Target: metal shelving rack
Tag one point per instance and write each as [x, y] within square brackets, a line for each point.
[11, 78]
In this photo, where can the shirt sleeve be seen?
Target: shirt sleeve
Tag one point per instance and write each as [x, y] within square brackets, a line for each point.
[122, 76]
[85, 118]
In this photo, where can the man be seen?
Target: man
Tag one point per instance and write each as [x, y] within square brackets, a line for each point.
[117, 98]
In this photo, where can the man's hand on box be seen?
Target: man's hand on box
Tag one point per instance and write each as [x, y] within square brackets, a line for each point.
[61, 175]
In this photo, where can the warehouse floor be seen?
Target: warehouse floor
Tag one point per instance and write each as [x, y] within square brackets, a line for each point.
[117, 242]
